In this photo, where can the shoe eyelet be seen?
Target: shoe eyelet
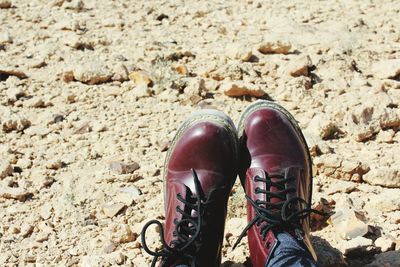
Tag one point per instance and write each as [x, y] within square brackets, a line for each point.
[268, 245]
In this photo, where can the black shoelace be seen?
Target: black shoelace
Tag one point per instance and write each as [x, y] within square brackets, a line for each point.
[281, 215]
[187, 230]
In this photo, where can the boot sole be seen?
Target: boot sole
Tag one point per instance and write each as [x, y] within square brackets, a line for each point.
[205, 115]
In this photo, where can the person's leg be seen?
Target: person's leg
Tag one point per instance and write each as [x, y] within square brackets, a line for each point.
[290, 252]
[200, 170]
[276, 174]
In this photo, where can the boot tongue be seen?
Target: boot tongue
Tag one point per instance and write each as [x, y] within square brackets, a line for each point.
[292, 173]
[276, 178]
[275, 189]
[297, 188]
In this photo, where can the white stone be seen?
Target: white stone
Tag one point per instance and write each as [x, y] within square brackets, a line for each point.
[385, 242]
[356, 243]
[128, 195]
[386, 69]
[46, 211]
[236, 51]
[296, 67]
[275, 47]
[54, 164]
[26, 230]
[5, 169]
[141, 90]
[347, 224]
[122, 233]
[194, 90]
[5, 37]
[113, 209]
[120, 73]
[41, 237]
[14, 193]
[322, 126]
[92, 72]
[34, 102]
[37, 130]
[386, 201]
[76, 5]
[383, 176]
[120, 167]
[98, 127]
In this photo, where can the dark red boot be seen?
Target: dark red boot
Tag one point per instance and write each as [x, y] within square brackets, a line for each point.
[277, 177]
[200, 170]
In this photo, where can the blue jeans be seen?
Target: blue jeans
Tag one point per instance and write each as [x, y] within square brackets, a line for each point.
[291, 252]
[288, 252]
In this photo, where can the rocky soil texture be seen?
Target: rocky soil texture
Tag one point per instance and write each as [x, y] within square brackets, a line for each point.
[91, 93]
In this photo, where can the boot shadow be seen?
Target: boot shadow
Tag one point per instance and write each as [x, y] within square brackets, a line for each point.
[328, 256]
[246, 263]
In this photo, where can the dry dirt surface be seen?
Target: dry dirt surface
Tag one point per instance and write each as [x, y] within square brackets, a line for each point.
[91, 93]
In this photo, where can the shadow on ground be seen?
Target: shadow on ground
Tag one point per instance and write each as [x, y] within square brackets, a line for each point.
[327, 255]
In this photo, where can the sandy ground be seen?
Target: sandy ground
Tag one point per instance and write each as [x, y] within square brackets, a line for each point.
[91, 92]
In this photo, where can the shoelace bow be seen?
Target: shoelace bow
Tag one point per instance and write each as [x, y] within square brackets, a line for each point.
[280, 215]
[187, 230]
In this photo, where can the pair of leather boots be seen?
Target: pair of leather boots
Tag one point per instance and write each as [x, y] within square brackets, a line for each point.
[271, 157]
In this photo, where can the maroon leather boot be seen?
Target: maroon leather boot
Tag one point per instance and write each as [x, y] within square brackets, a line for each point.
[275, 171]
[199, 172]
